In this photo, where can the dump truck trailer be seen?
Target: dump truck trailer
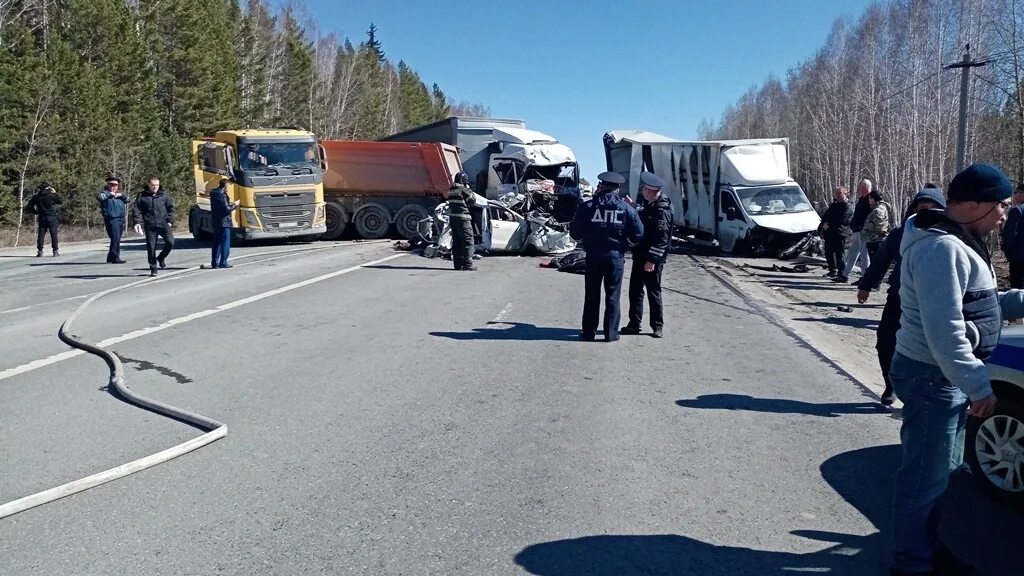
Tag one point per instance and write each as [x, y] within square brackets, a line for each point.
[736, 193]
[372, 185]
[276, 176]
[501, 156]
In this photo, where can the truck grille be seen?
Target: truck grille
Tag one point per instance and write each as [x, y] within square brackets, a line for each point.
[287, 211]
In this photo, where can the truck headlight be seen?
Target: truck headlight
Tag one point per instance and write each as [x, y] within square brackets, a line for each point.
[252, 220]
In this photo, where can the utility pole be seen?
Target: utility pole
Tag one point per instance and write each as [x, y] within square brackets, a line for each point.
[965, 66]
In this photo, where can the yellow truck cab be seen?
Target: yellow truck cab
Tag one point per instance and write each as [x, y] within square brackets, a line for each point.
[275, 175]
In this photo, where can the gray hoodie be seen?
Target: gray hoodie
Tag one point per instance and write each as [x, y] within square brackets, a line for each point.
[952, 313]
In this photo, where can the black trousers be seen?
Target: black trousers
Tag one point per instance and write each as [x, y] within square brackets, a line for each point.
[885, 336]
[151, 236]
[835, 253]
[51, 225]
[638, 280]
[115, 228]
[1016, 274]
[606, 271]
[462, 242]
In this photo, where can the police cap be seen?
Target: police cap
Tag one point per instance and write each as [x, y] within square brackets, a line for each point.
[650, 180]
[612, 178]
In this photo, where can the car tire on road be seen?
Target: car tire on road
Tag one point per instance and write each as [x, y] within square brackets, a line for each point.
[994, 450]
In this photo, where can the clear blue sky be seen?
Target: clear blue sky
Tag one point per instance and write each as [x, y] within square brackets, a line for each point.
[578, 69]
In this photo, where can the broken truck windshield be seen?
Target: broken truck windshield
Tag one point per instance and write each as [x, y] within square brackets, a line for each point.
[263, 157]
[773, 200]
[563, 175]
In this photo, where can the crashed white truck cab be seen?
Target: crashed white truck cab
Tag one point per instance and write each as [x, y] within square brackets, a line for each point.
[528, 161]
[736, 193]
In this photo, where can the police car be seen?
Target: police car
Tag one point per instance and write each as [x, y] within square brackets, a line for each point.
[994, 446]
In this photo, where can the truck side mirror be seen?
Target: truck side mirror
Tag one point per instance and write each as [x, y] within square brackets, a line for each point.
[323, 156]
[496, 147]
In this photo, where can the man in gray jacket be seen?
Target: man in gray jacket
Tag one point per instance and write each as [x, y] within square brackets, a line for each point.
[952, 315]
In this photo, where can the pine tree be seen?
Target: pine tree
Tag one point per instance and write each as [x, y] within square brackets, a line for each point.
[417, 108]
[296, 76]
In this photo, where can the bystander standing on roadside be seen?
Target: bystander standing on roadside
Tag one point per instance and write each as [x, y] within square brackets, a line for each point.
[45, 205]
[220, 212]
[888, 253]
[153, 213]
[835, 231]
[857, 251]
[876, 225]
[113, 206]
[952, 316]
[1012, 238]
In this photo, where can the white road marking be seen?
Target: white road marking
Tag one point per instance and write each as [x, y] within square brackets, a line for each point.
[36, 364]
[500, 318]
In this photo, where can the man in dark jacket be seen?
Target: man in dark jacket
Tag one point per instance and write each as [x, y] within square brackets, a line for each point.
[649, 255]
[153, 213]
[607, 227]
[835, 231]
[888, 253]
[1012, 239]
[858, 251]
[220, 210]
[460, 220]
[44, 205]
[113, 206]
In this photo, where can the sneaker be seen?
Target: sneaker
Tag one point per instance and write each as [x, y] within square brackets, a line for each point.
[39, 254]
[841, 279]
[888, 398]
[630, 331]
[587, 336]
[226, 266]
[657, 333]
[469, 268]
[830, 274]
[161, 262]
[118, 261]
[56, 253]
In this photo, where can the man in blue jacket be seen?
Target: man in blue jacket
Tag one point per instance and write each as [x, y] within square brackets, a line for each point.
[1012, 240]
[607, 227]
[952, 316]
[220, 210]
[113, 206]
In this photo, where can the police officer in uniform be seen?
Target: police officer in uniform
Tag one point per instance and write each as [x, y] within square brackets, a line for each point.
[607, 227]
[460, 200]
[649, 255]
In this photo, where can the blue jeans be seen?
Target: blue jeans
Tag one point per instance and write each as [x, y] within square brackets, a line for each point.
[221, 246]
[932, 434]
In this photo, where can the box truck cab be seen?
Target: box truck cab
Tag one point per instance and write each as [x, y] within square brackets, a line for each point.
[735, 193]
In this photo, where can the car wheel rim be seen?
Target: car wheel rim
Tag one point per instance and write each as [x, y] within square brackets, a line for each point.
[999, 447]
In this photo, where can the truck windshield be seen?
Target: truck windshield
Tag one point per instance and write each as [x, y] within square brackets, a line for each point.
[563, 175]
[773, 200]
[265, 158]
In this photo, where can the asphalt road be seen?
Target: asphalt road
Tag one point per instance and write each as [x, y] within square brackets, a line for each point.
[401, 418]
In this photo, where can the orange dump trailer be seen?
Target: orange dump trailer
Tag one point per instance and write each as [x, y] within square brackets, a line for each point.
[372, 185]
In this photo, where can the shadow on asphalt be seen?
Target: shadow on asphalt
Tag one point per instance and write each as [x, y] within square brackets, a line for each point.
[515, 331]
[976, 527]
[867, 323]
[781, 405]
[863, 478]
[709, 300]
[98, 276]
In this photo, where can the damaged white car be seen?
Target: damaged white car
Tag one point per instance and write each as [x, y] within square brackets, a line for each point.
[499, 229]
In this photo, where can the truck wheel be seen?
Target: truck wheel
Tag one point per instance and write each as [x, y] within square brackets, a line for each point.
[337, 220]
[372, 222]
[407, 220]
[994, 449]
[195, 225]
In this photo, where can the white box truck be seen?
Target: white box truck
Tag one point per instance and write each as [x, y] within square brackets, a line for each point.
[736, 193]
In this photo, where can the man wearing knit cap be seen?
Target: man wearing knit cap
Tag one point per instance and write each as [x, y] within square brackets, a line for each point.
[952, 315]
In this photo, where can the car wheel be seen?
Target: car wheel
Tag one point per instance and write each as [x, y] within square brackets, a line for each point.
[994, 449]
